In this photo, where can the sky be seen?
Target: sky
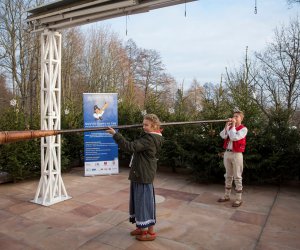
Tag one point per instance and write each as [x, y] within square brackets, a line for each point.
[213, 35]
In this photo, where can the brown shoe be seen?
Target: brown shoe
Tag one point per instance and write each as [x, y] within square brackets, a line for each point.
[146, 236]
[223, 199]
[135, 232]
[237, 203]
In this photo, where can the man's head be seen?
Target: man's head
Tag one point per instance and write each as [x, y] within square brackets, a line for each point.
[238, 116]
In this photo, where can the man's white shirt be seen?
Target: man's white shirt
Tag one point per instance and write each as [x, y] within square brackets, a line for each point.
[233, 134]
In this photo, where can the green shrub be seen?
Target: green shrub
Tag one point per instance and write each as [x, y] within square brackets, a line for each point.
[22, 160]
[273, 155]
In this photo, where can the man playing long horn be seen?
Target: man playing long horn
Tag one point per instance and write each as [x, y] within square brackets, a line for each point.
[234, 135]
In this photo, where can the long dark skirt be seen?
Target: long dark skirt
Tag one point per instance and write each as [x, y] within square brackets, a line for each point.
[142, 209]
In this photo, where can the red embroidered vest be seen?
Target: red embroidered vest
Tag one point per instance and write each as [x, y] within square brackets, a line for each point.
[237, 146]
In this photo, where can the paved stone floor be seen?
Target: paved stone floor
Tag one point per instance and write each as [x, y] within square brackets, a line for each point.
[188, 216]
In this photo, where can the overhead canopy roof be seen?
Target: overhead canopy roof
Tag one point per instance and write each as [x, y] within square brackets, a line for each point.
[67, 13]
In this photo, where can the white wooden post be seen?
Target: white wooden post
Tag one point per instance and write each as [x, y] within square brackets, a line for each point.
[51, 188]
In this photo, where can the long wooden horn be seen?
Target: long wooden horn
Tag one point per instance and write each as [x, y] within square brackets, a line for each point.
[14, 136]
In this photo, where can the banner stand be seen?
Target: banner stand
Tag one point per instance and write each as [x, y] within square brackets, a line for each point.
[100, 149]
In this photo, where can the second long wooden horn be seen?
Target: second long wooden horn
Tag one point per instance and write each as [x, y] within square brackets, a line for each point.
[15, 136]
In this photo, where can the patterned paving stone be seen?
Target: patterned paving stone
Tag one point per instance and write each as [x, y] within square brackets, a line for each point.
[21, 208]
[189, 218]
[87, 210]
[12, 244]
[250, 218]
[175, 194]
[207, 198]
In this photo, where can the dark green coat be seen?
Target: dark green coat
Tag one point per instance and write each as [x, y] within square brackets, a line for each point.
[144, 149]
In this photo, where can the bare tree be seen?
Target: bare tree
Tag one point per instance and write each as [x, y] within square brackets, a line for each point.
[132, 93]
[72, 67]
[166, 89]
[148, 71]
[195, 95]
[291, 2]
[104, 63]
[5, 94]
[19, 52]
[278, 73]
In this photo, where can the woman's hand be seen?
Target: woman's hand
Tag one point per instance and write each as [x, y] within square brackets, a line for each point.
[111, 131]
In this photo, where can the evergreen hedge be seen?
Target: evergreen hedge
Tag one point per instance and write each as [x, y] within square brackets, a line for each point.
[272, 152]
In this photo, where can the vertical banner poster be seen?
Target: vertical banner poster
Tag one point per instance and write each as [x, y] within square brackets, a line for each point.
[100, 150]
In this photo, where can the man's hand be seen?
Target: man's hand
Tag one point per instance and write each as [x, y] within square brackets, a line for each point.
[228, 123]
[233, 121]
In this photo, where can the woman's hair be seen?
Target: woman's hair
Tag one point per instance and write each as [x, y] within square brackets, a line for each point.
[154, 119]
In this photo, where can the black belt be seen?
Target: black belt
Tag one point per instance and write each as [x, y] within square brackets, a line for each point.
[228, 150]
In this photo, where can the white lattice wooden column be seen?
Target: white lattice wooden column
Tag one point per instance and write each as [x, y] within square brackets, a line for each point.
[51, 188]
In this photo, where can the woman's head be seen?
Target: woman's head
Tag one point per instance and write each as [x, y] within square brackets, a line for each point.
[151, 123]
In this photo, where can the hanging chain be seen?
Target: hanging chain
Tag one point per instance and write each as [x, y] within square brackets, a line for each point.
[126, 22]
[185, 8]
[255, 7]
